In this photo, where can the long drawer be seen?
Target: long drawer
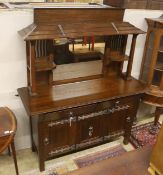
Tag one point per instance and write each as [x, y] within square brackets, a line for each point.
[110, 105]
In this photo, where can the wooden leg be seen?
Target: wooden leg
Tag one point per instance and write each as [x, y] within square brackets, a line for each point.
[14, 157]
[31, 130]
[41, 163]
[155, 129]
[157, 116]
[41, 147]
[9, 152]
[128, 126]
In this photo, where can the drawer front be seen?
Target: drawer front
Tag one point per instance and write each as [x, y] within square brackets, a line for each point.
[113, 105]
[69, 113]
[119, 104]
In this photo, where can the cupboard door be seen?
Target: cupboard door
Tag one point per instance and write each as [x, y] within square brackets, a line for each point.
[89, 131]
[120, 119]
[114, 124]
[158, 69]
[59, 136]
[152, 65]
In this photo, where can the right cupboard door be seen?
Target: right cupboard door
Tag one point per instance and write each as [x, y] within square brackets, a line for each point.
[120, 119]
[114, 124]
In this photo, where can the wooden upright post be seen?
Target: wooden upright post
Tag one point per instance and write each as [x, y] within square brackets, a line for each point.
[32, 68]
[28, 63]
[131, 57]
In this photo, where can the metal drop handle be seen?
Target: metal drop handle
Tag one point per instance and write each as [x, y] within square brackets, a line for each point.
[90, 132]
[70, 117]
[117, 103]
[46, 141]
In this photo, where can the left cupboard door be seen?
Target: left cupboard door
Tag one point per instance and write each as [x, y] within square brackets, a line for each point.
[59, 136]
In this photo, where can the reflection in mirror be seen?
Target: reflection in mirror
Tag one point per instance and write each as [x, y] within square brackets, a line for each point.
[77, 50]
[77, 59]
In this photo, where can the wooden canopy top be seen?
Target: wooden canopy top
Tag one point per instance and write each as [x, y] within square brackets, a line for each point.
[155, 21]
[75, 30]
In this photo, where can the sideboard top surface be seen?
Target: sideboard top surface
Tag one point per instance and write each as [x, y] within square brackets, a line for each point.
[59, 97]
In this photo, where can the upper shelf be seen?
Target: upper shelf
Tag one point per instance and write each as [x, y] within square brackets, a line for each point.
[119, 58]
[159, 67]
[161, 48]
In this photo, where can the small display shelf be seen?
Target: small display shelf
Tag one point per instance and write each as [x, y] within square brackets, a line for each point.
[159, 67]
[44, 64]
[119, 58]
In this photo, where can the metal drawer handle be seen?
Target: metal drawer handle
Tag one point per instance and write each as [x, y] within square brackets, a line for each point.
[117, 103]
[70, 114]
[128, 119]
[71, 118]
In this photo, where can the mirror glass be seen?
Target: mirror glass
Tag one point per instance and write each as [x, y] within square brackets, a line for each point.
[76, 60]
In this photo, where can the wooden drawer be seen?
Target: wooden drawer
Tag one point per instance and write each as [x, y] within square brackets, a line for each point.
[119, 104]
[72, 112]
[112, 105]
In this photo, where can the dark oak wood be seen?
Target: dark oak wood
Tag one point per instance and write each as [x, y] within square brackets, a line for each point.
[73, 108]
[134, 162]
[8, 126]
[67, 116]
